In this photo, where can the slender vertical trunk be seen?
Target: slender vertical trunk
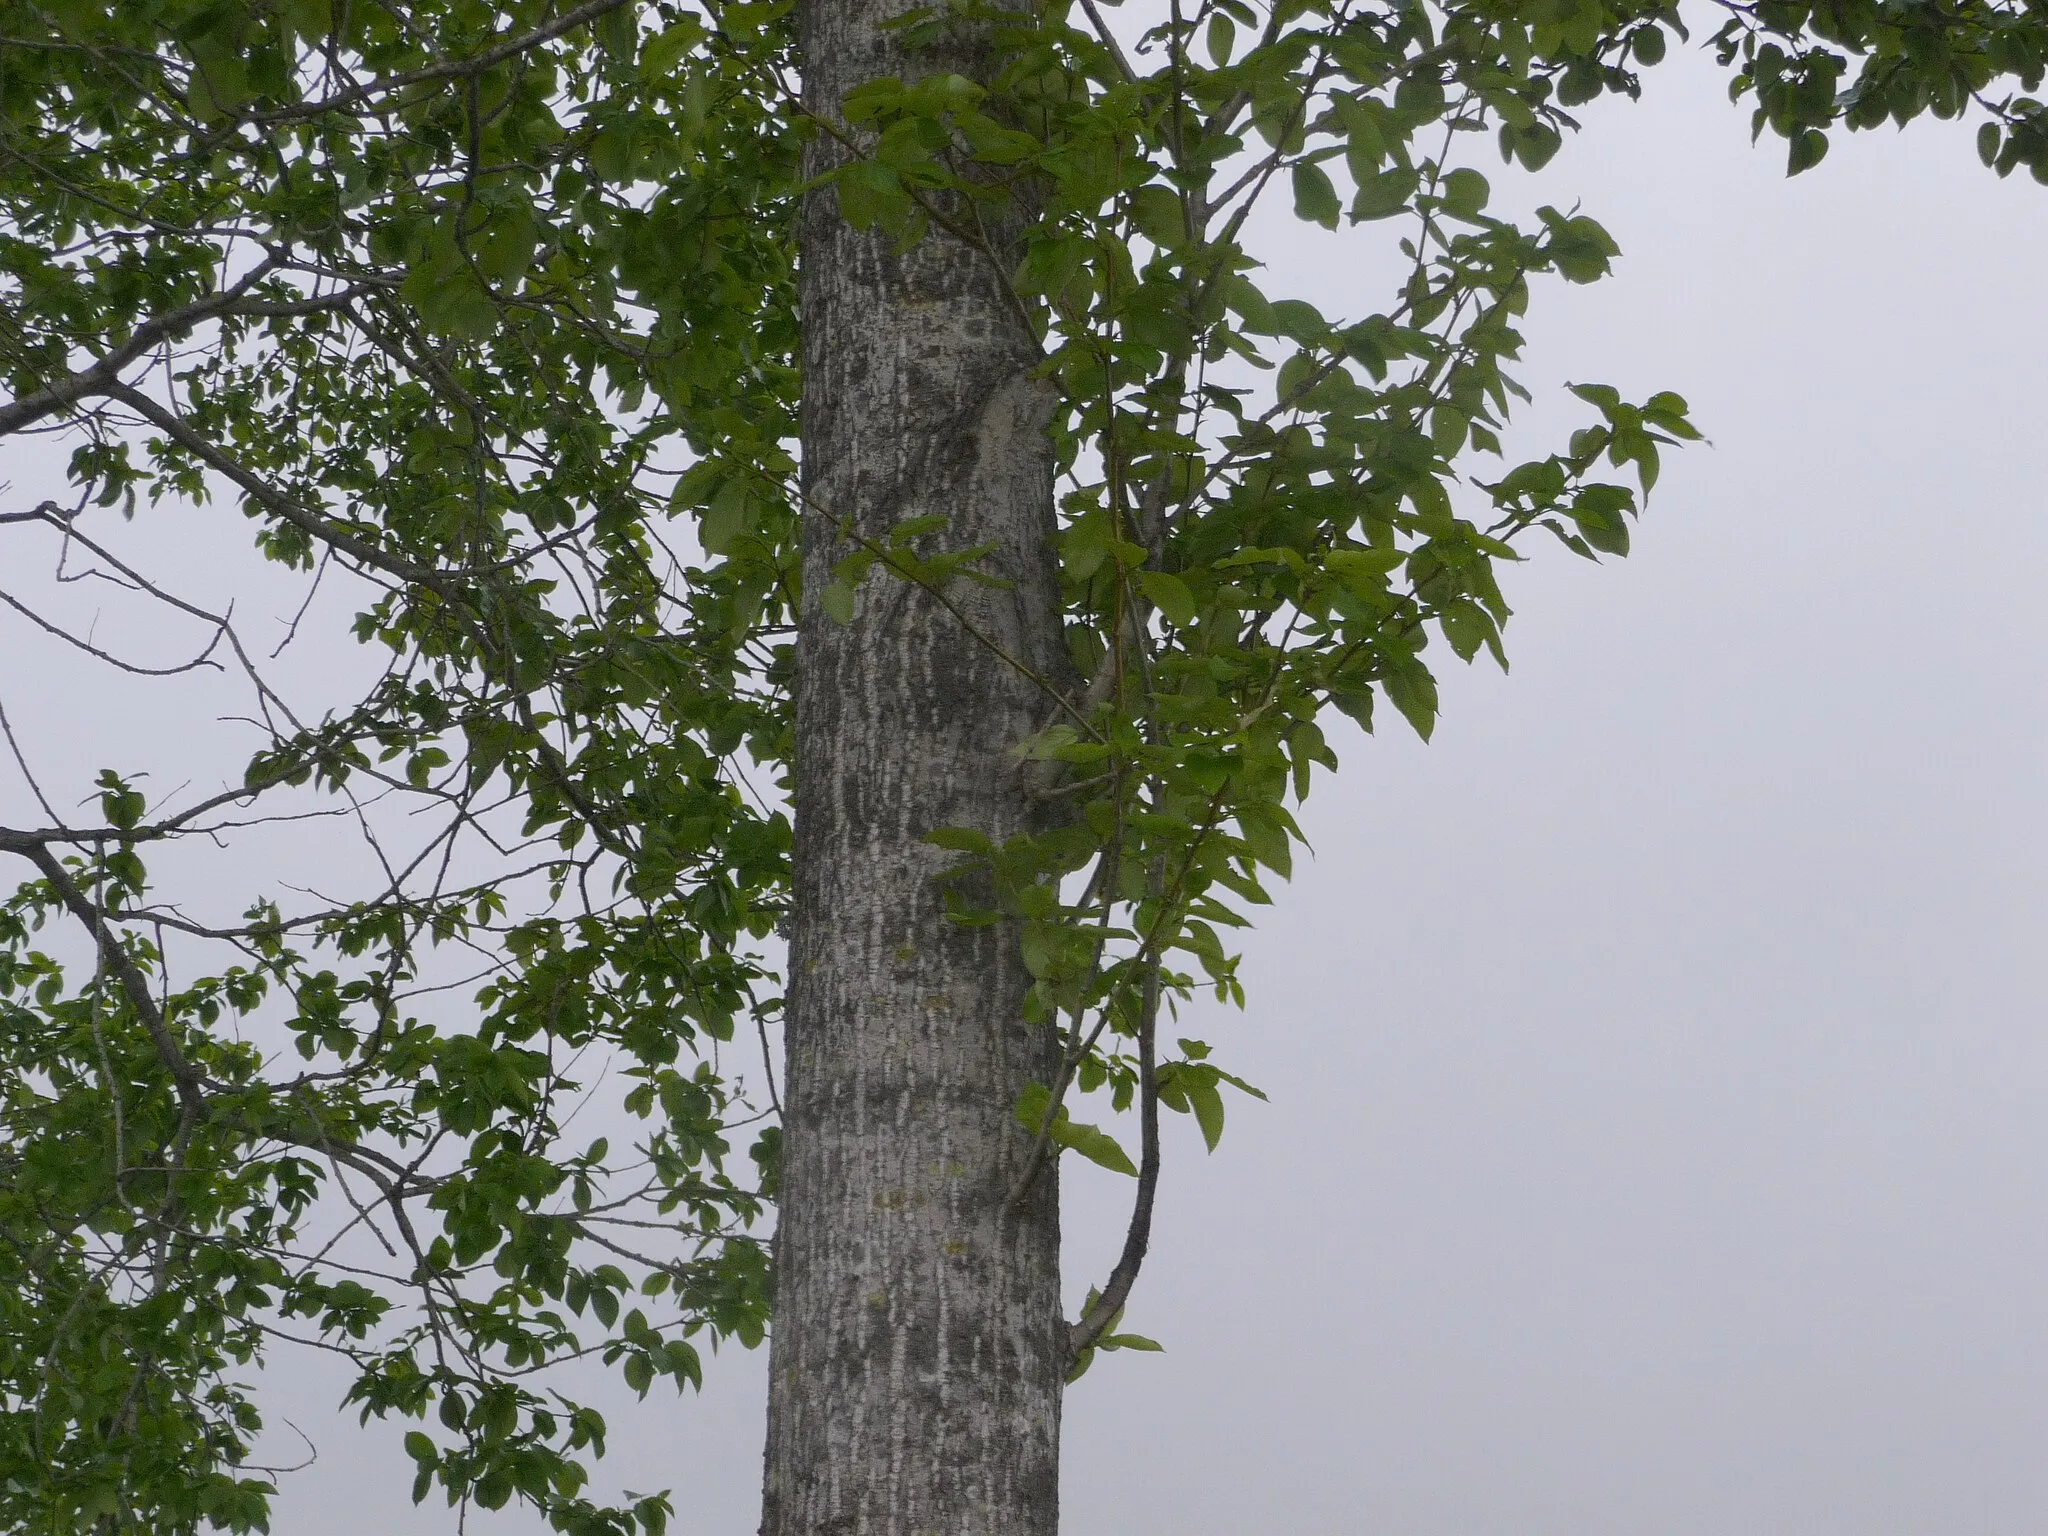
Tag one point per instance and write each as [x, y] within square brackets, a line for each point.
[918, 1345]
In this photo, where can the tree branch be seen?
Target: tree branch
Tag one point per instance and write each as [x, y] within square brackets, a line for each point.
[1099, 1318]
[191, 1087]
[313, 524]
[444, 69]
[107, 371]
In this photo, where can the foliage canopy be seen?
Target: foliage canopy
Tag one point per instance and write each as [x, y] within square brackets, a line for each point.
[491, 308]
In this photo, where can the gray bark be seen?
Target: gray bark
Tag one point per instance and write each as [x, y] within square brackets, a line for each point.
[918, 1347]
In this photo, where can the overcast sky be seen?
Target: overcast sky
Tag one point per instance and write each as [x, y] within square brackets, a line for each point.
[1659, 1136]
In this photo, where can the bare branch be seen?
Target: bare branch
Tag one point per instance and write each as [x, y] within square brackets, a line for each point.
[203, 659]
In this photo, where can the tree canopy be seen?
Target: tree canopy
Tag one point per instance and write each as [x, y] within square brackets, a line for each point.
[489, 311]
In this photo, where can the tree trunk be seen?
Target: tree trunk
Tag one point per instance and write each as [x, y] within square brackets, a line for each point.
[918, 1346]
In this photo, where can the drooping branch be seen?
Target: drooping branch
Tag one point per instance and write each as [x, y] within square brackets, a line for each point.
[203, 659]
[1116, 1291]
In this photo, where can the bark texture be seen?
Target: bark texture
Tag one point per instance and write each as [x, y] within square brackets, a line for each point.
[918, 1346]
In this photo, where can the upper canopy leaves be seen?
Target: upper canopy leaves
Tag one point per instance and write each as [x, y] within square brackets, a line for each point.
[491, 307]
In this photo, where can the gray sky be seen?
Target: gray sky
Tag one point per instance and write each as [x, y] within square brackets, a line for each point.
[1659, 1137]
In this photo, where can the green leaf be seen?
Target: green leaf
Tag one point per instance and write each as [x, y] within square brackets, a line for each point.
[1447, 428]
[1169, 594]
[1136, 1341]
[1808, 147]
[837, 601]
[1536, 145]
[1363, 571]
[451, 304]
[1670, 413]
[1467, 627]
[1581, 250]
[1159, 216]
[1222, 38]
[639, 1372]
[1093, 1143]
[1365, 148]
[1048, 744]
[664, 51]
[503, 249]
[1241, 1085]
[1298, 320]
[1413, 692]
[1207, 1105]
[1388, 193]
[1465, 192]
[1268, 831]
[121, 805]
[1315, 196]
[871, 194]
[1031, 1106]
[1090, 1141]
[729, 517]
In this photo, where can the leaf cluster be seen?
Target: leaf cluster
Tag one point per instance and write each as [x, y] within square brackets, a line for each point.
[487, 313]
